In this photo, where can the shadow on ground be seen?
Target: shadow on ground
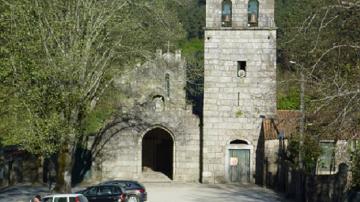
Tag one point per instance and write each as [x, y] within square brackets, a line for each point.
[236, 193]
[215, 193]
[22, 193]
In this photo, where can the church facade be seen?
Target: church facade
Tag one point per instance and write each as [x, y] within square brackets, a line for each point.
[158, 137]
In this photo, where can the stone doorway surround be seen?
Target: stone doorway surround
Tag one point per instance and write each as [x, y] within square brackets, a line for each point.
[246, 145]
[148, 175]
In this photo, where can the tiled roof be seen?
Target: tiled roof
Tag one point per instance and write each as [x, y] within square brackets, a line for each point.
[285, 122]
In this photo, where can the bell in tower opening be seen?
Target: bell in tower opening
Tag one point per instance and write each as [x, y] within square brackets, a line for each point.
[253, 13]
[226, 13]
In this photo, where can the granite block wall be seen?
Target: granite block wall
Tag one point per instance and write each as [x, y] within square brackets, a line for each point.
[235, 102]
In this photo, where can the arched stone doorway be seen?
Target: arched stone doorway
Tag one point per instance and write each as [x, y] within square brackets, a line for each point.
[238, 161]
[157, 151]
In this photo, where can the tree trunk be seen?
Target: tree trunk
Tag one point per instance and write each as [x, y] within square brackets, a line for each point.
[40, 169]
[65, 164]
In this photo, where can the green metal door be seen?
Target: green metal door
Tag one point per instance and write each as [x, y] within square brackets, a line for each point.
[239, 168]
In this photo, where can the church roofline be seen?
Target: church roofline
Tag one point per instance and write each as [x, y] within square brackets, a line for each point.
[239, 28]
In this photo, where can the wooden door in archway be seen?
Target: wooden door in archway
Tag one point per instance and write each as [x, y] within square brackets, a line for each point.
[239, 169]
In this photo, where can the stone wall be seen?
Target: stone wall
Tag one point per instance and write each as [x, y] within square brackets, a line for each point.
[275, 166]
[279, 174]
[233, 106]
[121, 157]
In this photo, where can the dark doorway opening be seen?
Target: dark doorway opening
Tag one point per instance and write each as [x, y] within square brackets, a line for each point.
[238, 142]
[157, 151]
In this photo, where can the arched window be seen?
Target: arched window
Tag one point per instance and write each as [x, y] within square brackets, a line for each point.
[253, 13]
[238, 142]
[167, 84]
[226, 13]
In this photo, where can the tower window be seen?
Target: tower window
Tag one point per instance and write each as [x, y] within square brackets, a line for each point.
[241, 68]
[226, 13]
[167, 84]
[253, 13]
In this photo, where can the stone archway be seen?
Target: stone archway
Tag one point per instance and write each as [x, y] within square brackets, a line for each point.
[238, 161]
[157, 151]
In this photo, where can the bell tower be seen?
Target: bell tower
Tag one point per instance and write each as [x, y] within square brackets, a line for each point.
[239, 86]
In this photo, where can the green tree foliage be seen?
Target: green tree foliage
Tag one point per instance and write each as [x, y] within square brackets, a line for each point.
[288, 92]
[311, 152]
[193, 51]
[59, 58]
[355, 167]
[192, 17]
[320, 38]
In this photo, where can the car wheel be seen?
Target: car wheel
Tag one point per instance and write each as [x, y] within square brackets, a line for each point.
[133, 198]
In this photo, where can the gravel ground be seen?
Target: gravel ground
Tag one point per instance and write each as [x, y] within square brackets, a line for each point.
[166, 192]
[215, 193]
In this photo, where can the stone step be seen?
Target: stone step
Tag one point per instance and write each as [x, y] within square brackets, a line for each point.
[153, 176]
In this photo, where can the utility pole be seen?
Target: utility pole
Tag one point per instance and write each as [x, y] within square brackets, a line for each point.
[302, 112]
[302, 118]
[300, 183]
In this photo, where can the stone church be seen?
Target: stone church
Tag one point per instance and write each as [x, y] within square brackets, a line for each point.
[158, 135]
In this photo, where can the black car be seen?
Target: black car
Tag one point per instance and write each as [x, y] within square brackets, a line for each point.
[132, 188]
[105, 193]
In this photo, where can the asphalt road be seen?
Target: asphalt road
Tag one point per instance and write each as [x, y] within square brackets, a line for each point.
[167, 192]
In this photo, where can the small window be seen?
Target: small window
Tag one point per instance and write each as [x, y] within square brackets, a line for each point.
[241, 68]
[74, 199]
[326, 161]
[105, 191]
[167, 84]
[226, 13]
[116, 190]
[92, 191]
[253, 13]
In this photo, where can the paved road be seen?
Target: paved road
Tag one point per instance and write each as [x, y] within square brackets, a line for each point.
[168, 192]
[214, 193]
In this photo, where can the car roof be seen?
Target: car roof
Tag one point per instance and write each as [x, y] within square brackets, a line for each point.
[129, 181]
[107, 185]
[117, 181]
[62, 195]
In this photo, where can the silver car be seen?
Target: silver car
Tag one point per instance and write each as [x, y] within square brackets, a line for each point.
[64, 198]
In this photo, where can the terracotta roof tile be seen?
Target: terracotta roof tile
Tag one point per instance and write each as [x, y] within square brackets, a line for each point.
[287, 122]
